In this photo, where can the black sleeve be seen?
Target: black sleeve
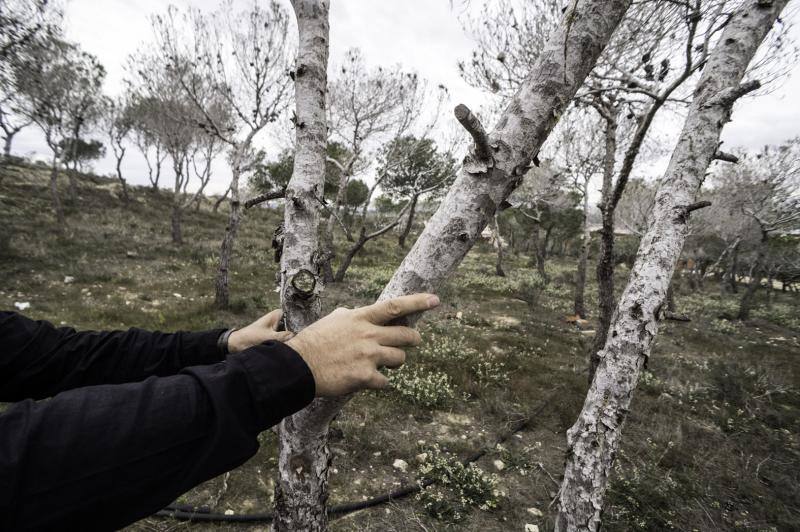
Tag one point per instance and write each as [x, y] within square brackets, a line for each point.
[38, 360]
[102, 457]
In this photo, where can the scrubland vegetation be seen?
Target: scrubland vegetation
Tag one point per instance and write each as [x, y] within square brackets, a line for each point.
[711, 441]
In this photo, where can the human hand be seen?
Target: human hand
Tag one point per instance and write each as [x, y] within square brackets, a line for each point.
[345, 349]
[258, 332]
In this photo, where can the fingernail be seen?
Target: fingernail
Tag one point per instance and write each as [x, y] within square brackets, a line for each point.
[433, 301]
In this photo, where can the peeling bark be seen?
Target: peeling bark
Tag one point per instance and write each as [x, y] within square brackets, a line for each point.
[595, 437]
[566, 60]
[605, 261]
[304, 457]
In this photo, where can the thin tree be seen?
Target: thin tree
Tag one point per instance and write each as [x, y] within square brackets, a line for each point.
[237, 61]
[301, 492]
[117, 124]
[595, 437]
[483, 183]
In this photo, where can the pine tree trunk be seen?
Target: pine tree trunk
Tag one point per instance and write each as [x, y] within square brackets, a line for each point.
[304, 457]
[746, 303]
[57, 207]
[471, 202]
[594, 439]
[409, 221]
[175, 220]
[349, 256]
[221, 282]
[734, 267]
[605, 262]
[122, 181]
[580, 273]
[498, 265]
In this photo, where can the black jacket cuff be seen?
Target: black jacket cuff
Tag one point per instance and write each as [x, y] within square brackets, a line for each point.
[200, 348]
[280, 381]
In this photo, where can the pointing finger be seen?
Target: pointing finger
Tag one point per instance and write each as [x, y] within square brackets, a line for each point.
[385, 311]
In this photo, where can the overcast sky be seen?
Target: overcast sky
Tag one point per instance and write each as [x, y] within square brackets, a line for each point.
[424, 35]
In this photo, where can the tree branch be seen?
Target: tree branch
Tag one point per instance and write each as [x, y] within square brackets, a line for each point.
[261, 198]
[474, 127]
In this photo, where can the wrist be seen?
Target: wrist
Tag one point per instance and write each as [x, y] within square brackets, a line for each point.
[224, 342]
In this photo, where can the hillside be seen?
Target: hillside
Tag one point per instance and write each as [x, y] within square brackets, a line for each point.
[712, 442]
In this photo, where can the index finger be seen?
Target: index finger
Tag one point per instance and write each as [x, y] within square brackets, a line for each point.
[386, 311]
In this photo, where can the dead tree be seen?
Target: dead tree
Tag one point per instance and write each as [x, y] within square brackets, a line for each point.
[235, 98]
[481, 186]
[303, 456]
[595, 437]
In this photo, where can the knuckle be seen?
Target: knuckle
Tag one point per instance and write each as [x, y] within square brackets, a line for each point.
[393, 308]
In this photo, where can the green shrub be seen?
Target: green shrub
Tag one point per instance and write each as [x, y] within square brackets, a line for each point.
[457, 489]
[426, 388]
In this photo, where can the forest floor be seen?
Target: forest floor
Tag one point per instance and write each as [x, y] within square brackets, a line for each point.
[712, 441]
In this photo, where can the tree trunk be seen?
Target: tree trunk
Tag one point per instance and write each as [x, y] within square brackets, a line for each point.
[409, 221]
[304, 457]
[746, 303]
[73, 186]
[539, 253]
[580, 272]
[498, 265]
[125, 196]
[734, 267]
[221, 282]
[175, 219]
[348, 258]
[59, 210]
[594, 439]
[221, 199]
[7, 145]
[563, 64]
[605, 262]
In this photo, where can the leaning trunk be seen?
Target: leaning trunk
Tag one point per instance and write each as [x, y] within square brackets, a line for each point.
[348, 257]
[594, 439]
[221, 288]
[563, 64]
[303, 456]
[409, 222]
[124, 183]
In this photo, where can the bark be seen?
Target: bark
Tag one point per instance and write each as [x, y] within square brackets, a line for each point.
[221, 281]
[733, 268]
[538, 251]
[7, 145]
[498, 265]
[605, 262]
[746, 303]
[580, 272]
[57, 207]
[175, 223]
[221, 199]
[563, 64]
[124, 183]
[409, 222]
[595, 437]
[73, 186]
[304, 457]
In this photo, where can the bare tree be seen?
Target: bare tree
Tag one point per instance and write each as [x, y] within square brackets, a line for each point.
[117, 124]
[481, 186]
[59, 76]
[594, 438]
[238, 62]
[303, 456]
[367, 108]
[144, 117]
[763, 188]
[24, 26]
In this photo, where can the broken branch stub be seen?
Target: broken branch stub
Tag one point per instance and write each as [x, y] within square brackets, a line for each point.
[482, 159]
